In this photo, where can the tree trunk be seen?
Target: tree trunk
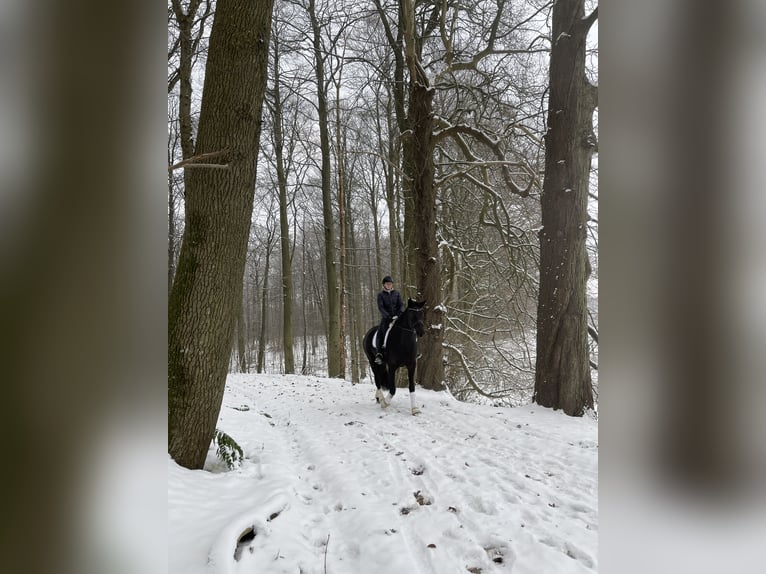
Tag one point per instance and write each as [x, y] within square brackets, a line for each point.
[419, 146]
[342, 228]
[430, 365]
[171, 226]
[333, 298]
[185, 25]
[407, 264]
[304, 362]
[264, 308]
[241, 349]
[354, 296]
[185, 44]
[284, 224]
[203, 304]
[562, 372]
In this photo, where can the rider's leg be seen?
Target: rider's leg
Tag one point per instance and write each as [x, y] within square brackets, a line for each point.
[379, 341]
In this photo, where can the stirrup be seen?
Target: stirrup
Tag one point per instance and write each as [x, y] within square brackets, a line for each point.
[378, 358]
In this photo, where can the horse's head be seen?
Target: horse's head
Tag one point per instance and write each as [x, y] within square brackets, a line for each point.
[414, 316]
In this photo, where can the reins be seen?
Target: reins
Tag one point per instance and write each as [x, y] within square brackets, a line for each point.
[403, 328]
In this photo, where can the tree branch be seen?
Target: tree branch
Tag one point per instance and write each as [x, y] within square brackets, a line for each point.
[467, 370]
[455, 132]
[198, 161]
[590, 19]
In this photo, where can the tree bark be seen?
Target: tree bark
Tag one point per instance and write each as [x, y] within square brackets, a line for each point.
[203, 304]
[562, 372]
[172, 244]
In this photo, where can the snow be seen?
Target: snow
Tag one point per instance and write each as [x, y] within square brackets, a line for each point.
[333, 483]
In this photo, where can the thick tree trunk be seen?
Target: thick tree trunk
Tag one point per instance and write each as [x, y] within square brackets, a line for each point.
[562, 373]
[203, 304]
[419, 154]
[430, 365]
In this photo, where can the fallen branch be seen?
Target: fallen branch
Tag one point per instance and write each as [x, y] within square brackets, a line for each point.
[326, 544]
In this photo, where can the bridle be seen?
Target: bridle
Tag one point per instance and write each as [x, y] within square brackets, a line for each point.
[417, 313]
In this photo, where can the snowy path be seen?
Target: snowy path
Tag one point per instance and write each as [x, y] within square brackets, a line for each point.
[498, 490]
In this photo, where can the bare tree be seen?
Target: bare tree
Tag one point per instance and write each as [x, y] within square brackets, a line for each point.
[331, 267]
[284, 223]
[187, 27]
[262, 335]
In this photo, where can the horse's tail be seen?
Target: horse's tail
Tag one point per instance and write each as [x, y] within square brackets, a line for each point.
[367, 344]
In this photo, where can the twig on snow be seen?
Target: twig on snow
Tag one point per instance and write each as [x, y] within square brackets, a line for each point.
[326, 545]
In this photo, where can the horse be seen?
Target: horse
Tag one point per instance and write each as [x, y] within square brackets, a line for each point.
[401, 351]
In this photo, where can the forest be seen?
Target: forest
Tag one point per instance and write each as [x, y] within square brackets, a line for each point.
[315, 146]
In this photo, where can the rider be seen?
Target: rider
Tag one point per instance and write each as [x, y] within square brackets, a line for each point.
[391, 306]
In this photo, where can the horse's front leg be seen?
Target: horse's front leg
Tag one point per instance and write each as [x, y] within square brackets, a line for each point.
[391, 386]
[411, 376]
[381, 381]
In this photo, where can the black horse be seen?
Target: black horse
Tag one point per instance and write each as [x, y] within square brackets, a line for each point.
[401, 351]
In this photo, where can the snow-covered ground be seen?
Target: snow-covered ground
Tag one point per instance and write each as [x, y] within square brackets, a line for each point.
[334, 484]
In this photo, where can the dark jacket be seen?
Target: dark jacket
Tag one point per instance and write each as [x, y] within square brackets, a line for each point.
[390, 303]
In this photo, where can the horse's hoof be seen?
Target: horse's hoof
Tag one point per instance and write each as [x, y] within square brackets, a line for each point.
[381, 399]
[415, 411]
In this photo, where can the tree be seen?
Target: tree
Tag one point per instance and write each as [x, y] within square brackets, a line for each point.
[331, 265]
[284, 224]
[562, 372]
[203, 304]
[431, 368]
[398, 41]
[184, 48]
[262, 336]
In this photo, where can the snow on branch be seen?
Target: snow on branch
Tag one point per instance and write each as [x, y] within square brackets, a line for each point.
[457, 131]
[469, 376]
